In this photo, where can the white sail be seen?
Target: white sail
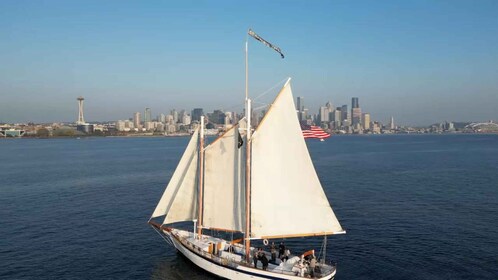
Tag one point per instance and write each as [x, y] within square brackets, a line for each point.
[287, 198]
[179, 200]
[224, 195]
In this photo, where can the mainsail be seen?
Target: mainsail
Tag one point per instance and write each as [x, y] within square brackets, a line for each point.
[179, 202]
[287, 198]
[224, 182]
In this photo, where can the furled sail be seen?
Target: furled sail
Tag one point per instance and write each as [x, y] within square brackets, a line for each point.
[287, 198]
[224, 192]
[179, 201]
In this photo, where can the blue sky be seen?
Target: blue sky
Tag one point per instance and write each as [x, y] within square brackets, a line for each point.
[420, 61]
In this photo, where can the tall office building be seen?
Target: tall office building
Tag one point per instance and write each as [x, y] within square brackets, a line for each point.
[136, 119]
[391, 124]
[181, 115]
[355, 103]
[300, 107]
[147, 115]
[186, 119]
[325, 112]
[196, 114]
[366, 121]
[174, 113]
[335, 117]
[344, 113]
[355, 112]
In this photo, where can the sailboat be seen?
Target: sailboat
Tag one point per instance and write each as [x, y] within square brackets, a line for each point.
[249, 181]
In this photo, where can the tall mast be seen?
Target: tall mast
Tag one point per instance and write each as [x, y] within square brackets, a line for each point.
[201, 178]
[247, 233]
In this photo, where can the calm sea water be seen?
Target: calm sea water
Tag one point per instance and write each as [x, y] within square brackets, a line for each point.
[414, 206]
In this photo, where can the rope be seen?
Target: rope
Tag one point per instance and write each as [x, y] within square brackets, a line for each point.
[254, 99]
[266, 92]
[162, 236]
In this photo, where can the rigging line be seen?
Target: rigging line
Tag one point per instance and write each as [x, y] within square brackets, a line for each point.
[168, 241]
[261, 95]
[261, 107]
[233, 106]
[267, 91]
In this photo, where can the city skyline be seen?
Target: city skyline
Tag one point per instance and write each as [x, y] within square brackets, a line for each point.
[420, 62]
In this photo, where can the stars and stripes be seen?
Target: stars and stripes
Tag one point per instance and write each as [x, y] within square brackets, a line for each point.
[268, 44]
[312, 131]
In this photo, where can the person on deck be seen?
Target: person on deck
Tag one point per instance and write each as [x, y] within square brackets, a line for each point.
[286, 255]
[312, 266]
[264, 260]
[273, 250]
[281, 250]
[255, 257]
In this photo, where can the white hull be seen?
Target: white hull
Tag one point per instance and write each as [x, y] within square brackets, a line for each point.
[231, 270]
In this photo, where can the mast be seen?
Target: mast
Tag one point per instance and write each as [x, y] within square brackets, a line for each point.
[247, 233]
[201, 177]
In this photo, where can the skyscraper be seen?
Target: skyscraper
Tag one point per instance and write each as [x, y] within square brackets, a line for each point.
[355, 103]
[147, 115]
[344, 113]
[136, 119]
[366, 121]
[300, 107]
[174, 113]
[196, 114]
[324, 114]
[355, 111]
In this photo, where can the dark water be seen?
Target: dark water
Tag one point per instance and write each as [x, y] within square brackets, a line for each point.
[415, 207]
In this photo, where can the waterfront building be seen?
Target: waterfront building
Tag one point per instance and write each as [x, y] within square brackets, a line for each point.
[324, 112]
[169, 119]
[300, 107]
[174, 113]
[391, 124]
[136, 119]
[186, 119]
[228, 118]
[356, 116]
[149, 126]
[355, 111]
[355, 103]
[161, 118]
[147, 115]
[196, 114]
[160, 127]
[366, 121]
[120, 125]
[128, 124]
[170, 128]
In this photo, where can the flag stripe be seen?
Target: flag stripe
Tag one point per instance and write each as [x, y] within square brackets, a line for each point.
[311, 131]
[268, 44]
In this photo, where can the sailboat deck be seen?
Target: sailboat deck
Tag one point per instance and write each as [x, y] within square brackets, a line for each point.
[232, 255]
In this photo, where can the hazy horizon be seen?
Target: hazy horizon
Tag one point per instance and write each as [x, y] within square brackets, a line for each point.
[421, 62]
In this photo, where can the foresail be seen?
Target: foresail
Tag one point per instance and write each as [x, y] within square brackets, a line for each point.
[179, 201]
[224, 196]
[287, 198]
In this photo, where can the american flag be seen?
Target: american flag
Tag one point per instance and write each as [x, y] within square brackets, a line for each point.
[311, 131]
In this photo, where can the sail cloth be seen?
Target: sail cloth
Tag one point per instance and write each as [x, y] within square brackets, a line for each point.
[224, 177]
[287, 198]
[179, 201]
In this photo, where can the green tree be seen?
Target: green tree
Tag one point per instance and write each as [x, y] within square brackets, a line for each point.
[42, 132]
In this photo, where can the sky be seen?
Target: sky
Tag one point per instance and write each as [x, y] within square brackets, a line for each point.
[420, 61]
